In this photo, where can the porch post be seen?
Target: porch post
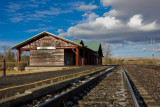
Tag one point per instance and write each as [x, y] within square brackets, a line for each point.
[83, 57]
[88, 58]
[94, 59]
[100, 60]
[19, 55]
[77, 57]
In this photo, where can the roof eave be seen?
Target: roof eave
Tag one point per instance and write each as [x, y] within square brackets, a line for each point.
[22, 43]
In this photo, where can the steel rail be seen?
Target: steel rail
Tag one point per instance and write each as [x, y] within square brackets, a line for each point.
[50, 79]
[63, 96]
[135, 102]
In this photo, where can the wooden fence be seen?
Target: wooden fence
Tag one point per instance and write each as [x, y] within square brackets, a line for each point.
[3, 67]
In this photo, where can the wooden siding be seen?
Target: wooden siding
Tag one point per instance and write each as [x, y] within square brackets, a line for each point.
[47, 41]
[47, 57]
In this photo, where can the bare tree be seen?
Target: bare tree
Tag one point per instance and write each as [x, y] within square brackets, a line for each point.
[108, 55]
[8, 54]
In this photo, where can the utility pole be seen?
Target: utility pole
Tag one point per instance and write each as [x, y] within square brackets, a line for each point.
[152, 51]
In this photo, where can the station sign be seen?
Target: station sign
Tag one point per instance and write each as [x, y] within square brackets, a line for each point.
[41, 48]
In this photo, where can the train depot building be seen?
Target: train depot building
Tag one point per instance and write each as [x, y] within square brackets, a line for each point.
[47, 49]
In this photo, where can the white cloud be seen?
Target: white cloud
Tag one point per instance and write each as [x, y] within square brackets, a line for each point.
[41, 29]
[90, 16]
[12, 7]
[136, 23]
[128, 8]
[117, 46]
[112, 29]
[30, 11]
[16, 19]
[113, 13]
[84, 7]
[7, 43]
[60, 30]
[156, 50]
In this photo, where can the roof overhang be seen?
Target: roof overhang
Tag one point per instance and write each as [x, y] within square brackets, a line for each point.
[39, 36]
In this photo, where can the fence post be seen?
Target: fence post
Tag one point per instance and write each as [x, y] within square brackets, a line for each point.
[3, 68]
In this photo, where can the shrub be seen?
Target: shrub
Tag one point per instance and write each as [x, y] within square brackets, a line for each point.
[21, 66]
[10, 66]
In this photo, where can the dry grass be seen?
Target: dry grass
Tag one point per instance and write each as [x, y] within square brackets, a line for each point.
[31, 72]
[136, 60]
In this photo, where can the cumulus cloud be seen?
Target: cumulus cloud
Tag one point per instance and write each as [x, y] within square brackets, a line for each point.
[90, 16]
[128, 22]
[136, 22]
[111, 29]
[128, 8]
[84, 7]
[113, 13]
[60, 30]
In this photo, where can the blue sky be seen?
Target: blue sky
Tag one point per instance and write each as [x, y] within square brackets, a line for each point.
[127, 26]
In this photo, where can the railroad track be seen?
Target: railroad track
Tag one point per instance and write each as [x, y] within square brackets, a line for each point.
[108, 88]
[16, 89]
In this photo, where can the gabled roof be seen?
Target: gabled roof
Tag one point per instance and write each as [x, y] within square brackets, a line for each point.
[93, 45]
[78, 41]
[40, 35]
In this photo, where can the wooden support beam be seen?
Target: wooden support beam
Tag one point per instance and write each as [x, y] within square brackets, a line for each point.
[100, 60]
[27, 49]
[60, 47]
[74, 51]
[66, 47]
[91, 58]
[96, 59]
[19, 55]
[83, 57]
[77, 57]
[88, 58]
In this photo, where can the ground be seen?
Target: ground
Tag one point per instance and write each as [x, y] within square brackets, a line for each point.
[14, 80]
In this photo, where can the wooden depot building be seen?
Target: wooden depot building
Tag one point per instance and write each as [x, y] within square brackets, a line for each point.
[47, 49]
